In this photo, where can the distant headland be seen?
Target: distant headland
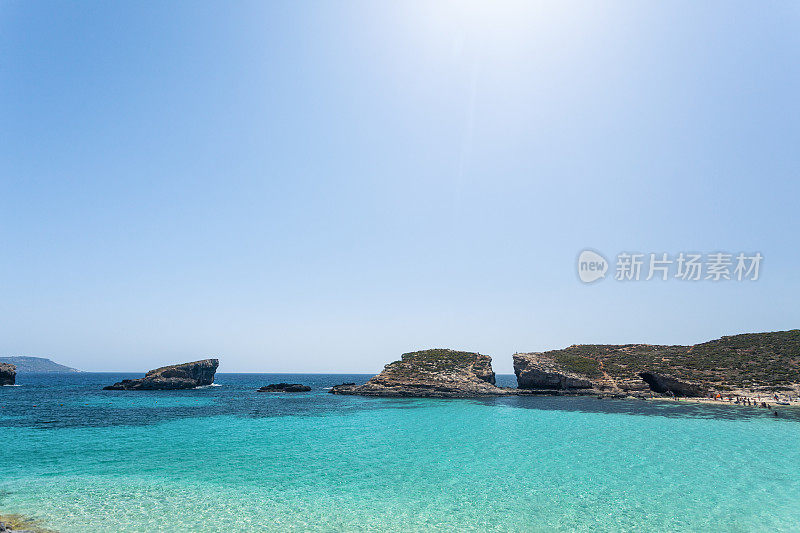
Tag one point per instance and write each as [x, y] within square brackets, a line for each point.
[30, 365]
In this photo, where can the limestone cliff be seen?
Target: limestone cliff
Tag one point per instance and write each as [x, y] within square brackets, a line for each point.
[755, 362]
[541, 371]
[438, 373]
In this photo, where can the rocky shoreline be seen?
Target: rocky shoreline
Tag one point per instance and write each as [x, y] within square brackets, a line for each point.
[445, 373]
[744, 369]
[751, 367]
[762, 367]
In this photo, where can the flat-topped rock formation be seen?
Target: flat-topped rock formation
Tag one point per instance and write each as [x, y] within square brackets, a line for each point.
[8, 374]
[755, 362]
[438, 373]
[285, 387]
[183, 376]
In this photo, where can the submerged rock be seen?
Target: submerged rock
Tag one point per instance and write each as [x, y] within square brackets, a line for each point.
[667, 384]
[8, 374]
[439, 373]
[285, 387]
[182, 376]
[15, 523]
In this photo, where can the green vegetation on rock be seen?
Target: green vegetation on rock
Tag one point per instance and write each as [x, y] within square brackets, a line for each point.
[747, 361]
[439, 359]
[578, 363]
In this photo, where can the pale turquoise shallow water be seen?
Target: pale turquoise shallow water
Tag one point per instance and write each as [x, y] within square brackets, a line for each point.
[227, 458]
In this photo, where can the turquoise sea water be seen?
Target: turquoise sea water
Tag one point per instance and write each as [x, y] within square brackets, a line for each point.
[226, 458]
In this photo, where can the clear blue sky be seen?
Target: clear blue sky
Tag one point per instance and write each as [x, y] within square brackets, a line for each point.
[321, 186]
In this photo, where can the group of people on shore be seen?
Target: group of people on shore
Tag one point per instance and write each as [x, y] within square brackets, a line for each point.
[753, 402]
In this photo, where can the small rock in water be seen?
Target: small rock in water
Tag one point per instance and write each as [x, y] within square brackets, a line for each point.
[8, 374]
[285, 387]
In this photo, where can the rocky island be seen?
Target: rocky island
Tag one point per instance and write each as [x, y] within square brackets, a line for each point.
[8, 374]
[437, 373]
[183, 376]
[746, 364]
[285, 387]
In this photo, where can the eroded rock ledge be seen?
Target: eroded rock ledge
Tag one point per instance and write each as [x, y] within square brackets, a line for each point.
[606, 370]
[182, 376]
[437, 373]
[539, 371]
[8, 374]
[664, 384]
